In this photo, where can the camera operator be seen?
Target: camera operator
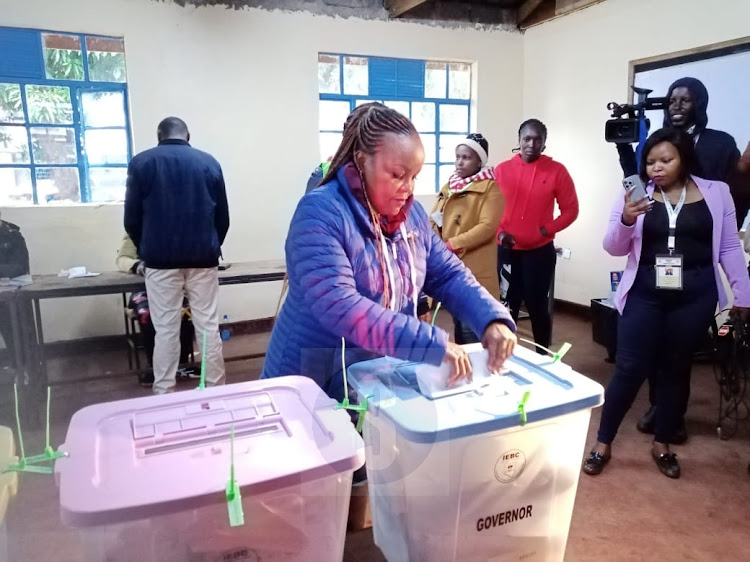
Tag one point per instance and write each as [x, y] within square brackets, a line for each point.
[716, 151]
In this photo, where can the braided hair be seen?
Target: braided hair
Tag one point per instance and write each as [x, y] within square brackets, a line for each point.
[364, 130]
[534, 123]
[359, 110]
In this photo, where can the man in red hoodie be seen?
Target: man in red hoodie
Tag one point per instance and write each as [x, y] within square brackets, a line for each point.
[531, 183]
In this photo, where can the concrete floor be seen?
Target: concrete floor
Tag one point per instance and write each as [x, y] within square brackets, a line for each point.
[630, 512]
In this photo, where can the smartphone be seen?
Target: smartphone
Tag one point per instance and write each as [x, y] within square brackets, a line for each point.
[634, 185]
[224, 266]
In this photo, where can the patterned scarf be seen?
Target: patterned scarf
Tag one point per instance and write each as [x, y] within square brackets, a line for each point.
[389, 225]
[457, 183]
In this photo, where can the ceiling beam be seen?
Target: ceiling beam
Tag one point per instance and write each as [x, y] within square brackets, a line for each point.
[397, 8]
[527, 8]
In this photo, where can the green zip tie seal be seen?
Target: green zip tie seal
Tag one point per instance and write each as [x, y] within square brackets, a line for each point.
[434, 314]
[202, 383]
[556, 355]
[563, 350]
[345, 404]
[522, 407]
[234, 496]
[28, 464]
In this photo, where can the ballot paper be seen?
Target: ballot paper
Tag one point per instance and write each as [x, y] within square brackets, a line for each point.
[432, 380]
[14, 282]
[78, 271]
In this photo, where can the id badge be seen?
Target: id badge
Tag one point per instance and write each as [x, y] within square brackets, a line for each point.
[437, 216]
[669, 272]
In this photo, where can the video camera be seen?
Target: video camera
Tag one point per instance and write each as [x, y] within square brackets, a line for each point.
[624, 127]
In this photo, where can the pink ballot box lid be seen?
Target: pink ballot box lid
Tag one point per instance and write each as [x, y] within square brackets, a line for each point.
[159, 454]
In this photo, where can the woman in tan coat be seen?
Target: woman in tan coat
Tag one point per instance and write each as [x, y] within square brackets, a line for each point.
[466, 216]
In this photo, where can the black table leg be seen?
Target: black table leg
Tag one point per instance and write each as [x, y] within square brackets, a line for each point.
[18, 355]
[30, 392]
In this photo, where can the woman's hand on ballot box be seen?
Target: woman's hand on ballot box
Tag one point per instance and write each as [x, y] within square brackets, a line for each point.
[498, 340]
[459, 363]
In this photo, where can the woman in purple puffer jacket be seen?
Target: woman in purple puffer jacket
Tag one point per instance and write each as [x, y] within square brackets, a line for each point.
[358, 253]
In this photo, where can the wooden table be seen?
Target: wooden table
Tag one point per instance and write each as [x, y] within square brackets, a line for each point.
[26, 306]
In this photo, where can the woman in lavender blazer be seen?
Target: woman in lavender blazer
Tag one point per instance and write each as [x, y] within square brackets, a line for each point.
[667, 305]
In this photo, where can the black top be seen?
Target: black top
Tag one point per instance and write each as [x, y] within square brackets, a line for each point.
[693, 237]
[716, 159]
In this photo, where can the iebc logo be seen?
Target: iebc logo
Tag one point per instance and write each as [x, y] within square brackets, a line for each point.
[510, 466]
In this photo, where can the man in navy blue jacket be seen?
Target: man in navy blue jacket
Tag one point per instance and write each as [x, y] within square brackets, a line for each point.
[177, 214]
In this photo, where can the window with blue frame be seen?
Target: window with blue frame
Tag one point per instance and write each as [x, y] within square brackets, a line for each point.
[64, 127]
[435, 95]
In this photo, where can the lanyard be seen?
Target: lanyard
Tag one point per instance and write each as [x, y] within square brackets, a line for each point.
[412, 269]
[673, 213]
[391, 277]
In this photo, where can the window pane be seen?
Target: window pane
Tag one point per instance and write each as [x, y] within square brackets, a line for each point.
[363, 102]
[356, 76]
[63, 59]
[329, 77]
[107, 184]
[401, 106]
[106, 146]
[423, 116]
[14, 145]
[49, 104]
[445, 173]
[57, 184]
[454, 118]
[329, 143]
[428, 142]
[15, 186]
[459, 81]
[53, 145]
[11, 108]
[103, 109]
[333, 114]
[106, 58]
[435, 80]
[448, 144]
[425, 183]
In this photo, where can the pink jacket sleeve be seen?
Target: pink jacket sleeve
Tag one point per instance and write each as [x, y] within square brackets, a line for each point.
[731, 255]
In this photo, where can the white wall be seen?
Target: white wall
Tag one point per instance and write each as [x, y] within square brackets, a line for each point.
[246, 83]
[576, 64]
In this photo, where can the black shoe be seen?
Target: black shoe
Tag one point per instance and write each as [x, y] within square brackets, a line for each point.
[146, 379]
[595, 463]
[646, 423]
[667, 463]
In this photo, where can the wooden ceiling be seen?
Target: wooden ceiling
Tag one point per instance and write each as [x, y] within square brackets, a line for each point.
[518, 13]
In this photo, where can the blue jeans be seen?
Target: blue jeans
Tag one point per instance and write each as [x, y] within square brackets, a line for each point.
[658, 332]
